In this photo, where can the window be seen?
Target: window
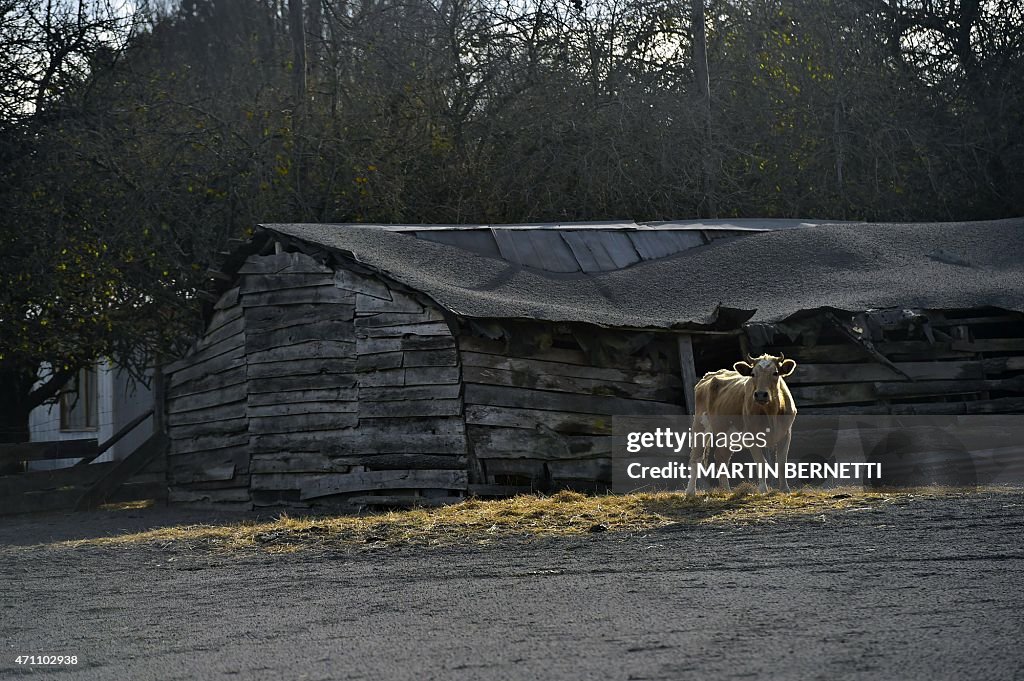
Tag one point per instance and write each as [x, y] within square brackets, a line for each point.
[79, 403]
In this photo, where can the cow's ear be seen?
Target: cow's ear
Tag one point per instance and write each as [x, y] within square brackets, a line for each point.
[742, 368]
[787, 367]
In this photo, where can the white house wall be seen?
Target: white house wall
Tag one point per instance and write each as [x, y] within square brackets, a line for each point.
[119, 400]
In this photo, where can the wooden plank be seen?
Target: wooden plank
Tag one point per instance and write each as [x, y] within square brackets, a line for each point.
[310, 350]
[373, 304]
[301, 367]
[227, 347]
[206, 400]
[301, 408]
[318, 462]
[217, 465]
[384, 319]
[989, 345]
[425, 329]
[222, 318]
[562, 422]
[345, 394]
[301, 422]
[601, 251]
[211, 383]
[869, 392]
[404, 408]
[499, 470]
[584, 404]
[557, 355]
[833, 394]
[393, 501]
[122, 432]
[382, 360]
[925, 388]
[1002, 405]
[229, 426]
[447, 391]
[228, 299]
[100, 491]
[546, 445]
[182, 414]
[859, 373]
[210, 472]
[999, 365]
[318, 295]
[47, 451]
[315, 486]
[331, 330]
[139, 491]
[206, 442]
[286, 383]
[431, 358]
[369, 346]
[46, 481]
[282, 263]
[413, 376]
[689, 371]
[213, 336]
[484, 490]
[556, 368]
[596, 470]
[568, 384]
[215, 365]
[270, 318]
[369, 439]
[898, 351]
[261, 283]
[350, 281]
[40, 502]
[184, 495]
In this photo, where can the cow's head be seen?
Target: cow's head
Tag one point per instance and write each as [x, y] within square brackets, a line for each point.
[765, 372]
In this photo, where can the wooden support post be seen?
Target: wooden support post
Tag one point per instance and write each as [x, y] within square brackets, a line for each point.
[689, 371]
[159, 397]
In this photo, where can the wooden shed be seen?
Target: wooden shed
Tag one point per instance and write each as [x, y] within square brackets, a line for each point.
[352, 365]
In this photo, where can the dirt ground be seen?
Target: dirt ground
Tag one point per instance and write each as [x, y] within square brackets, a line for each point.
[916, 589]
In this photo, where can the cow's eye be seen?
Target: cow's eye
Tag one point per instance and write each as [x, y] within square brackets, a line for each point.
[776, 373]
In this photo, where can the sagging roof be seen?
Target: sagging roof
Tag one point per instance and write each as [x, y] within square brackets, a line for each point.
[588, 246]
[763, 276]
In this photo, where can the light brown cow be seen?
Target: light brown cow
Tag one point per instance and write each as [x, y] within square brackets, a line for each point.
[745, 398]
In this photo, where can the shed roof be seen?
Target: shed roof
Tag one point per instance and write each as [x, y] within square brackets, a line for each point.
[765, 276]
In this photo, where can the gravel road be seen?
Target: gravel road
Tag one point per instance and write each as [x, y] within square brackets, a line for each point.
[923, 590]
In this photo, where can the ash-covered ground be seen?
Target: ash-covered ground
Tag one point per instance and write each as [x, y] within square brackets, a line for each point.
[929, 589]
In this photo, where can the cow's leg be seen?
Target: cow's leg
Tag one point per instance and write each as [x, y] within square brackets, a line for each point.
[723, 456]
[696, 457]
[781, 455]
[758, 455]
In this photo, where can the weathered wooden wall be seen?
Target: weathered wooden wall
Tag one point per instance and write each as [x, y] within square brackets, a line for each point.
[317, 388]
[973, 365]
[208, 460]
[542, 418]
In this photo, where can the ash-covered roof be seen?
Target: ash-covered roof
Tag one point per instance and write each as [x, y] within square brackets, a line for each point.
[763, 276]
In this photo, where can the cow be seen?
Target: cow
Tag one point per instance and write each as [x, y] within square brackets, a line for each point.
[746, 398]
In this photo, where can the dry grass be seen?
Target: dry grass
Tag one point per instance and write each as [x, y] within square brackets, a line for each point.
[564, 513]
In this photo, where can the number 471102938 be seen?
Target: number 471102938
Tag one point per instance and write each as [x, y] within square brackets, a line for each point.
[34, 660]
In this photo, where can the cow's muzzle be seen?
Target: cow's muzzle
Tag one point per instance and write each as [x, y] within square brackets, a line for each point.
[761, 397]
